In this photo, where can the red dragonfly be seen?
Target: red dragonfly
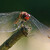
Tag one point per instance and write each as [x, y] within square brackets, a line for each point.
[10, 22]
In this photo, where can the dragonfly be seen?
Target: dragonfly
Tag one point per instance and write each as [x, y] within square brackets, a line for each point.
[10, 22]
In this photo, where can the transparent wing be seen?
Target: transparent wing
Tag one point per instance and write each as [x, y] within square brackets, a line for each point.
[36, 25]
[7, 21]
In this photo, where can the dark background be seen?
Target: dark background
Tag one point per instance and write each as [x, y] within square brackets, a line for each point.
[38, 8]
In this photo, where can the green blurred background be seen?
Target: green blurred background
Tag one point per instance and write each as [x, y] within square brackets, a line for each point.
[38, 8]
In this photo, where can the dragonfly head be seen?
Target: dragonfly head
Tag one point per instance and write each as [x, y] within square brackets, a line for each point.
[25, 16]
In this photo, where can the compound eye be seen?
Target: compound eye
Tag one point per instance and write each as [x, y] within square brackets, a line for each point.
[24, 15]
[27, 17]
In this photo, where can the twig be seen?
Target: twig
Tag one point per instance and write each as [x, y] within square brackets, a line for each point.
[14, 38]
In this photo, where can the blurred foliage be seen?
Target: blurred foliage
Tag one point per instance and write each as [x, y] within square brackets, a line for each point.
[38, 8]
